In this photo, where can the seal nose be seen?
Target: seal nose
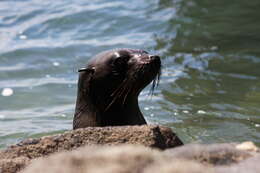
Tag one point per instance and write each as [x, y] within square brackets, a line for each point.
[154, 57]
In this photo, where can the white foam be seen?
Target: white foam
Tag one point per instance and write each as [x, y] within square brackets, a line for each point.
[56, 63]
[201, 112]
[23, 37]
[7, 92]
[146, 108]
[63, 115]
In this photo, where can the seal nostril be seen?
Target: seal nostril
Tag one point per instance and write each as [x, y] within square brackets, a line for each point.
[154, 57]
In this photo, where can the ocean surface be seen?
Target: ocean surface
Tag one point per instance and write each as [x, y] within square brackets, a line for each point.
[210, 86]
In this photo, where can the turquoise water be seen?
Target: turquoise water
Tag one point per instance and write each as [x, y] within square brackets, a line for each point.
[209, 89]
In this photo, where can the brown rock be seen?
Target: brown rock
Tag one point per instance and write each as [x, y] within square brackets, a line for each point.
[151, 136]
[191, 158]
[250, 165]
[126, 159]
[214, 154]
[195, 158]
[13, 165]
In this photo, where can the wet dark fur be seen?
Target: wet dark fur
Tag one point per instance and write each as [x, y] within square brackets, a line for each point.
[109, 86]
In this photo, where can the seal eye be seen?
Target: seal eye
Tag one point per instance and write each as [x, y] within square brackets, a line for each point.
[119, 66]
[119, 61]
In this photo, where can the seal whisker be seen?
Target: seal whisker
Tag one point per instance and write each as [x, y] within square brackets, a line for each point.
[127, 93]
[119, 88]
[158, 76]
[117, 93]
[155, 84]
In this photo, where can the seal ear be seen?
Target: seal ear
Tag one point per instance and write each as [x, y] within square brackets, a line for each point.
[86, 113]
[85, 78]
[92, 70]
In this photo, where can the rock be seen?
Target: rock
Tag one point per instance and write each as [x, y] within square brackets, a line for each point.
[213, 155]
[13, 165]
[127, 159]
[135, 149]
[216, 158]
[18, 156]
[250, 165]
[247, 146]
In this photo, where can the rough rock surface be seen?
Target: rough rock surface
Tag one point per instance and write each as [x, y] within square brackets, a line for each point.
[195, 158]
[16, 157]
[120, 159]
[214, 154]
[138, 150]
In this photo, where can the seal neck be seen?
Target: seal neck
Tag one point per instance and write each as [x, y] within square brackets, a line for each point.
[123, 114]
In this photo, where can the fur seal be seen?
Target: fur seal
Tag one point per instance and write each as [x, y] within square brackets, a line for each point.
[108, 88]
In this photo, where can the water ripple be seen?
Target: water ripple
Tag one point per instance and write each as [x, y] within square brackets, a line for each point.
[35, 82]
[210, 77]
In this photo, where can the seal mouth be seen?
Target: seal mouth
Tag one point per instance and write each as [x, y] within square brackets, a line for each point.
[148, 70]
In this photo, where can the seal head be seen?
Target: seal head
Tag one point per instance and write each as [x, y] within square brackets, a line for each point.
[108, 88]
